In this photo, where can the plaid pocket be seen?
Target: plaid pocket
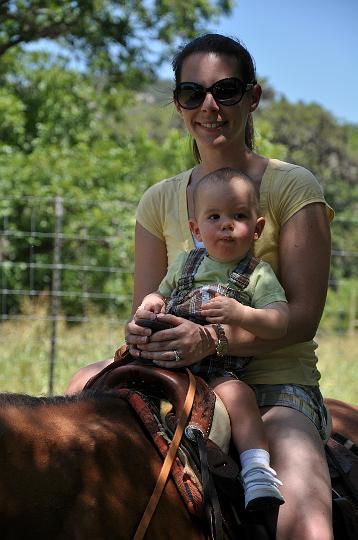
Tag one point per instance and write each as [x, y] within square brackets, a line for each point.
[306, 399]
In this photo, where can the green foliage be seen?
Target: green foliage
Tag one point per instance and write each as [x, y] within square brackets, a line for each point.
[117, 37]
[341, 309]
[71, 137]
[264, 141]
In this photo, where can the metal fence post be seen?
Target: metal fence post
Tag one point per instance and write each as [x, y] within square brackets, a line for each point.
[56, 285]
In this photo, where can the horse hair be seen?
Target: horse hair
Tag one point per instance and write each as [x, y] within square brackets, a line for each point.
[9, 399]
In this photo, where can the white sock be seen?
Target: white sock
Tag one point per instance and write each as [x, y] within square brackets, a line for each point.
[258, 455]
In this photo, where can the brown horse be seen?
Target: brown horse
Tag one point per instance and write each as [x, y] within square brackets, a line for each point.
[81, 468]
[344, 418]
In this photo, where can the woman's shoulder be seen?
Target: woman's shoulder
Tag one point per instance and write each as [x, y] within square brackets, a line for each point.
[290, 180]
[161, 201]
[168, 185]
[281, 170]
[290, 187]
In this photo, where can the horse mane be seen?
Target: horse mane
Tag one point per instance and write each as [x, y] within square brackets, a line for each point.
[10, 399]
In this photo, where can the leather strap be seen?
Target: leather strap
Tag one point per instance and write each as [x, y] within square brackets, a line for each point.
[168, 462]
[352, 489]
[210, 496]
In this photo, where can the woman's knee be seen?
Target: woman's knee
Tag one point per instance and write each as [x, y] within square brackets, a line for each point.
[79, 379]
[297, 454]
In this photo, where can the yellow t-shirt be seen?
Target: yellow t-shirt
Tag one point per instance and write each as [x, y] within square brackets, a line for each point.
[285, 189]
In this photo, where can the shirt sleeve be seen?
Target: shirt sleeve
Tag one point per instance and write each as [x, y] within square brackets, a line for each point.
[298, 187]
[149, 211]
[266, 287]
[170, 280]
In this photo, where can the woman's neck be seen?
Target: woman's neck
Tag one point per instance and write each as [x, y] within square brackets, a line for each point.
[246, 161]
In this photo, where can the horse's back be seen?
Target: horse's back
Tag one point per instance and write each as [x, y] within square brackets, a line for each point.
[81, 469]
[344, 418]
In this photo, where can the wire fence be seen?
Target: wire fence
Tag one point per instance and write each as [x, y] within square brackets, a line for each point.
[64, 262]
[69, 264]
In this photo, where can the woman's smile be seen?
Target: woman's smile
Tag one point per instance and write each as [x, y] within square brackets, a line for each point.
[212, 125]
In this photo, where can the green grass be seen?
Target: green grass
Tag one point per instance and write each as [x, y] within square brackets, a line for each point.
[338, 366]
[25, 346]
[25, 352]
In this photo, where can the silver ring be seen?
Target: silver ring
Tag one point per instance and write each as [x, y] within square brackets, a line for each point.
[177, 356]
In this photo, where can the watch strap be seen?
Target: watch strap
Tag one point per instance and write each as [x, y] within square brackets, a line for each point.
[222, 344]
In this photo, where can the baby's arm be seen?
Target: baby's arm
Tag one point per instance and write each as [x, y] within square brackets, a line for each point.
[269, 322]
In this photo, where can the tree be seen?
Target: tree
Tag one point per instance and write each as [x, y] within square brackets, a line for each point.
[118, 36]
[63, 134]
[313, 138]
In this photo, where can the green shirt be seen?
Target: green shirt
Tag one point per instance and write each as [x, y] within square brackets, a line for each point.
[263, 288]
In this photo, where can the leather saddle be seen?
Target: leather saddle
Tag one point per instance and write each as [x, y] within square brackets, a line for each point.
[206, 475]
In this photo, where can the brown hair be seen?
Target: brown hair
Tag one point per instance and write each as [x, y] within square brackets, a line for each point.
[224, 175]
[219, 44]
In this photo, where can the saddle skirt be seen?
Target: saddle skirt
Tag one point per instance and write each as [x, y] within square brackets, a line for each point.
[157, 397]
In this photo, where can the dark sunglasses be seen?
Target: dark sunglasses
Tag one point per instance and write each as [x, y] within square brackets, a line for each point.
[191, 95]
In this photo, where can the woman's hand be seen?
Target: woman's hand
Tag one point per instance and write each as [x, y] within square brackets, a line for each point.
[136, 335]
[184, 344]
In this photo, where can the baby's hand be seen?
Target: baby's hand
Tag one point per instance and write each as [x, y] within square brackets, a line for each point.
[223, 309]
[152, 303]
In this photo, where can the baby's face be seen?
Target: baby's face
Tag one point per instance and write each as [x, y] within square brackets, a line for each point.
[226, 219]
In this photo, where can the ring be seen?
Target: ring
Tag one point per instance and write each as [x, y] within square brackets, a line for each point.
[177, 356]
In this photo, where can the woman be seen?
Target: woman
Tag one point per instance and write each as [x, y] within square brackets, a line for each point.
[216, 93]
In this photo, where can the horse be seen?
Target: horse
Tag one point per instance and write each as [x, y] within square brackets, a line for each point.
[344, 419]
[81, 467]
[76, 468]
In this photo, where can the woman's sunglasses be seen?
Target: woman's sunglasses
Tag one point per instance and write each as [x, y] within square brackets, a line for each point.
[191, 95]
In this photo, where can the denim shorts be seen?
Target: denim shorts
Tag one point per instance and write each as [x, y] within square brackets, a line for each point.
[306, 399]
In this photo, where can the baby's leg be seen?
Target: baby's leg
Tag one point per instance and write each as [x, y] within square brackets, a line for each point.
[258, 478]
[247, 427]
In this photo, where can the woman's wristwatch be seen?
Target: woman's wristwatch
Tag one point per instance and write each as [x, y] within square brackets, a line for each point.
[222, 344]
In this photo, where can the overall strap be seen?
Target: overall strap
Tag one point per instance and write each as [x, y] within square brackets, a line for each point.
[240, 276]
[186, 280]
[191, 265]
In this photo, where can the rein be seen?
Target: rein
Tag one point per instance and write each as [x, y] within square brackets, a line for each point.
[168, 462]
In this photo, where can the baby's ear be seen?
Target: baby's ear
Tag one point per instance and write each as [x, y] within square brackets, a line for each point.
[193, 224]
[260, 223]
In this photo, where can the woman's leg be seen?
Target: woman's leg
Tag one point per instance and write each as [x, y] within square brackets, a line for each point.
[297, 454]
[81, 376]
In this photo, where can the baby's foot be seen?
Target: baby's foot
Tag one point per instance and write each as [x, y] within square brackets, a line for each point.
[261, 487]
